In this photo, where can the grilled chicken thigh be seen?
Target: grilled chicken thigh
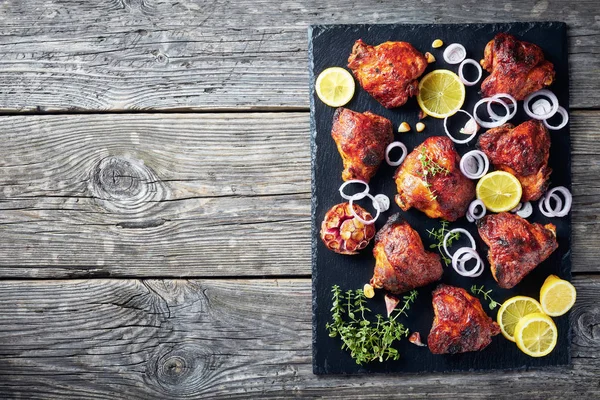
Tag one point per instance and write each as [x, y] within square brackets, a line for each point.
[460, 324]
[430, 180]
[518, 68]
[401, 262]
[523, 151]
[361, 140]
[389, 71]
[516, 246]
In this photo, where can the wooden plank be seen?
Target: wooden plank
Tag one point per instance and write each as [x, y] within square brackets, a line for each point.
[96, 339]
[188, 195]
[206, 55]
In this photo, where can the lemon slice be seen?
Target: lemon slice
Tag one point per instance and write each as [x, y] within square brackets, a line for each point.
[335, 86]
[441, 93]
[557, 296]
[511, 312]
[536, 335]
[499, 191]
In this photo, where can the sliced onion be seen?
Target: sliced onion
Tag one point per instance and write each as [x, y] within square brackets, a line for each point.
[470, 218]
[526, 210]
[402, 157]
[473, 207]
[559, 210]
[459, 141]
[512, 106]
[541, 107]
[565, 116]
[460, 258]
[459, 230]
[546, 213]
[383, 202]
[375, 206]
[455, 53]
[361, 194]
[543, 92]
[495, 123]
[517, 208]
[461, 75]
[480, 159]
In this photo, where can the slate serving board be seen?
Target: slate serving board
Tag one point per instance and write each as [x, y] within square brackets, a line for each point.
[330, 45]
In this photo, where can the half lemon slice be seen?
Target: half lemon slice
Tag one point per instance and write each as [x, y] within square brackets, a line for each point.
[557, 296]
[499, 191]
[335, 86]
[441, 93]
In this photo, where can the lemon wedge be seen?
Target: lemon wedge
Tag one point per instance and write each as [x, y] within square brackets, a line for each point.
[512, 311]
[557, 296]
[499, 191]
[335, 86]
[536, 335]
[441, 93]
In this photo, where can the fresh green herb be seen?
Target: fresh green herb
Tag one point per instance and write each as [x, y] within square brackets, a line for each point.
[366, 340]
[486, 295]
[430, 168]
[438, 234]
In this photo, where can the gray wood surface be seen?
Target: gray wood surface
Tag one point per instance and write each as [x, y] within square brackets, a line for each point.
[131, 339]
[188, 195]
[216, 54]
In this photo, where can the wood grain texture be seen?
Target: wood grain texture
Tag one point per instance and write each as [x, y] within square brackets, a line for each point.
[188, 195]
[207, 54]
[101, 339]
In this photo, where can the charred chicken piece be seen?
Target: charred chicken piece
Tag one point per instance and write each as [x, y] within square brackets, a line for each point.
[401, 262]
[361, 140]
[516, 246]
[518, 68]
[522, 151]
[343, 233]
[430, 180]
[389, 71]
[460, 324]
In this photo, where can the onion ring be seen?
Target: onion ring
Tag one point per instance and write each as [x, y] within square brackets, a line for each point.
[459, 141]
[545, 212]
[382, 201]
[564, 114]
[363, 193]
[525, 211]
[455, 53]
[392, 146]
[568, 201]
[470, 218]
[517, 208]
[496, 122]
[459, 230]
[497, 117]
[543, 92]
[375, 205]
[473, 206]
[461, 75]
[458, 262]
[483, 164]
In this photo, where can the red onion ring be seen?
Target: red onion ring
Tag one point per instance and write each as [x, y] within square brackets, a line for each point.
[470, 218]
[513, 106]
[375, 205]
[517, 208]
[541, 205]
[543, 92]
[392, 146]
[473, 206]
[459, 141]
[459, 230]
[455, 53]
[496, 122]
[562, 211]
[458, 262]
[363, 193]
[483, 164]
[564, 122]
[525, 211]
[461, 75]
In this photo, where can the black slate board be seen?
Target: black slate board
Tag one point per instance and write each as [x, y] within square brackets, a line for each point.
[330, 46]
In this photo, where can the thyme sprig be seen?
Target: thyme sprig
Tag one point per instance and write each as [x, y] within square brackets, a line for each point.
[486, 295]
[438, 235]
[430, 168]
[367, 341]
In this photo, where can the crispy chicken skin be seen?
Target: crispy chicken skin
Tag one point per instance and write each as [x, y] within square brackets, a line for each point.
[361, 140]
[523, 151]
[389, 71]
[518, 68]
[445, 194]
[460, 324]
[516, 246]
[401, 262]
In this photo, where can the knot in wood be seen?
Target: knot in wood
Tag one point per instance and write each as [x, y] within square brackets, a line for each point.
[126, 185]
[588, 326]
[181, 370]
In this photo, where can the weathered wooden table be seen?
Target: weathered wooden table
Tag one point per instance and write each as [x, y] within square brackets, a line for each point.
[155, 200]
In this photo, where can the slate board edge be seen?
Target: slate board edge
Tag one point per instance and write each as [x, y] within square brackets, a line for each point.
[313, 32]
